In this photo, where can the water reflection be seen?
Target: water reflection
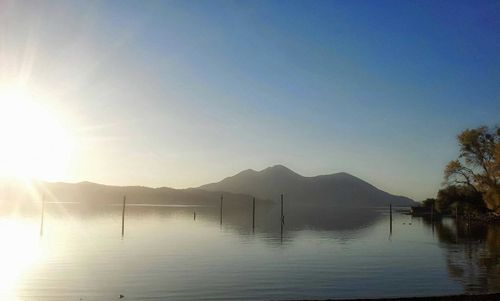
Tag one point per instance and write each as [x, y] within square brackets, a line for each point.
[181, 252]
[472, 253]
[160, 242]
[18, 252]
[237, 217]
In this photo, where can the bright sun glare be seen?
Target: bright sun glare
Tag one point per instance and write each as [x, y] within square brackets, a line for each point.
[34, 144]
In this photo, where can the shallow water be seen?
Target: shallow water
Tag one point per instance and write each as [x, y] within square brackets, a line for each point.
[166, 254]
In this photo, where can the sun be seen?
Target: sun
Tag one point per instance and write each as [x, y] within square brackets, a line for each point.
[33, 142]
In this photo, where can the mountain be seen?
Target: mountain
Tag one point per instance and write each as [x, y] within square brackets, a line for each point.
[88, 193]
[340, 189]
[90, 200]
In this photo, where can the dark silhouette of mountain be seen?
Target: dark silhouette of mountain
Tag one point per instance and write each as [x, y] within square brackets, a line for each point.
[91, 192]
[88, 193]
[340, 189]
[311, 202]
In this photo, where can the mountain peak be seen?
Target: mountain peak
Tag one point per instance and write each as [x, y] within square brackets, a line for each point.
[248, 171]
[277, 167]
[341, 189]
[278, 170]
[87, 183]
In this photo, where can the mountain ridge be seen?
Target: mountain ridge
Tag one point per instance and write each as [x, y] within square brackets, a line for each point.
[339, 188]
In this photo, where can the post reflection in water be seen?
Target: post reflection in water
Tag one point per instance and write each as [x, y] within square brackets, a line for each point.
[179, 252]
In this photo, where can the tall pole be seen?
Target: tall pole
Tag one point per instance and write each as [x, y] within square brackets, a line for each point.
[282, 220]
[282, 216]
[390, 216]
[432, 219]
[432, 213]
[123, 216]
[221, 200]
[43, 213]
[281, 233]
[253, 214]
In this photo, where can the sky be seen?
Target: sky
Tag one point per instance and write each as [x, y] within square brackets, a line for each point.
[183, 93]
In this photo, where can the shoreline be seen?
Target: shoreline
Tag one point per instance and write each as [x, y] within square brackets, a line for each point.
[478, 297]
[482, 218]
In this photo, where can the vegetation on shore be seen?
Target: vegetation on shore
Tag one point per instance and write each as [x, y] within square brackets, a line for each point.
[472, 181]
[482, 297]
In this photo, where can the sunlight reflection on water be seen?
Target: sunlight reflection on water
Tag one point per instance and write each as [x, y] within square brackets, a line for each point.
[20, 249]
[166, 254]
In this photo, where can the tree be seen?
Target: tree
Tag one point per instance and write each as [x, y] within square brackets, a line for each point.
[428, 203]
[462, 197]
[478, 164]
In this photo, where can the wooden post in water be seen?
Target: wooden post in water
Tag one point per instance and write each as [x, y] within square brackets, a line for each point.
[282, 220]
[390, 216]
[432, 219]
[281, 233]
[221, 200]
[253, 214]
[123, 216]
[282, 216]
[43, 213]
[194, 215]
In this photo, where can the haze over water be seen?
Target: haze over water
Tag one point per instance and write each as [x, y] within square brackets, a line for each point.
[166, 254]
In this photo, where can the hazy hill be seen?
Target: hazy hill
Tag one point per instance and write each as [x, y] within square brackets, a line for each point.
[90, 200]
[340, 189]
[92, 194]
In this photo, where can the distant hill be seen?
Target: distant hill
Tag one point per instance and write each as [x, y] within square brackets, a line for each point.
[93, 194]
[88, 200]
[340, 189]
[330, 202]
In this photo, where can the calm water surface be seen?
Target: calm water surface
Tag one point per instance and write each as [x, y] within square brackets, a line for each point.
[166, 254]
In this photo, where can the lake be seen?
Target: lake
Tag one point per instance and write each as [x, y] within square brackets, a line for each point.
[168, 254]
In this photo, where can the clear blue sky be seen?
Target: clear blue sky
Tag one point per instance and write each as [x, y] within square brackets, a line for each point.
[181, 93]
